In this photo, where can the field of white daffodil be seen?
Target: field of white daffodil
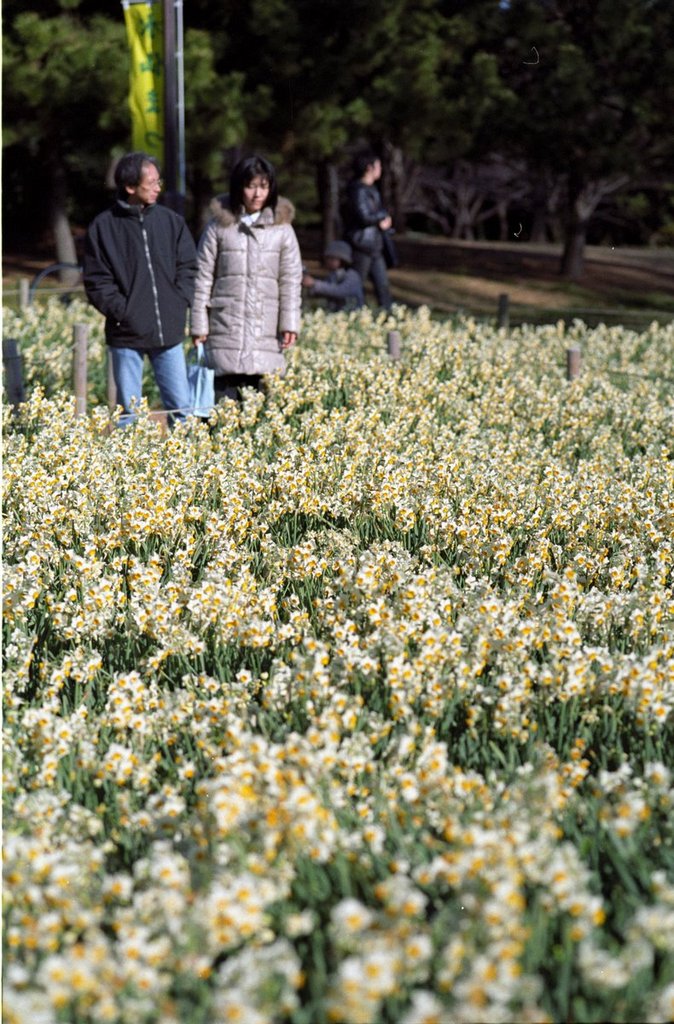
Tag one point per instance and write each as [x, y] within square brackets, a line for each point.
[356, 707]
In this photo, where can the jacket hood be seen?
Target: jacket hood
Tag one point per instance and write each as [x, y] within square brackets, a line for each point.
[220, 212]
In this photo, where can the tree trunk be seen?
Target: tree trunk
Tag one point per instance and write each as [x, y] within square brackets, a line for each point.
[60, 224]
[540, 207]
[539, 225]
[584, 198]
[397, 172]
[574, 250]
[328, 194]
[502, 213]
[466, 200]
[545, 199]
[464, 223]
[575, 230]
[202, 196]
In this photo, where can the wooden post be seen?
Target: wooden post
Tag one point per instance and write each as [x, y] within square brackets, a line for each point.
[11, 358]
[393, 344]
[503, 316]
[572, 363]
[24, 293]
[112, 387]
[80, 342]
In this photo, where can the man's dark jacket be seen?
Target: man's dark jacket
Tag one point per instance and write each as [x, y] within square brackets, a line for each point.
[140, 263]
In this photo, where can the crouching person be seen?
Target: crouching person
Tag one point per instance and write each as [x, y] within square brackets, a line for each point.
[343, 287]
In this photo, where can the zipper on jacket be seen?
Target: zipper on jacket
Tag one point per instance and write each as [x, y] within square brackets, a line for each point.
[153, 280]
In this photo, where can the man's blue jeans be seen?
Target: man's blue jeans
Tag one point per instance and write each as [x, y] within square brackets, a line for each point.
[170, 373]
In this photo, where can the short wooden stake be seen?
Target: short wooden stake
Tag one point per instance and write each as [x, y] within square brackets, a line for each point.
[24, 293]
[11, 359]
[112, 387]
[503, 316]
[572, 363]
[393, 344]
[80, 342]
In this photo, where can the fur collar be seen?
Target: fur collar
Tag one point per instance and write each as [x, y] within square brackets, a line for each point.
[220, 211]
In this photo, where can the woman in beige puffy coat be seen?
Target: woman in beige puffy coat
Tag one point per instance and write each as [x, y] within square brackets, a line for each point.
[248, 291]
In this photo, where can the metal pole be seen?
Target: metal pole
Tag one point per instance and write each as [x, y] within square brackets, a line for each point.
[80, 342]
[24, 293]
[180, 71]
[169, 169]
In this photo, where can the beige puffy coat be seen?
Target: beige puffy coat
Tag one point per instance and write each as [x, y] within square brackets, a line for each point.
[248, 289]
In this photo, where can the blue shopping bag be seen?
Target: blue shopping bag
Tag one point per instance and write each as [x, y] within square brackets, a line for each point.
[200, 379]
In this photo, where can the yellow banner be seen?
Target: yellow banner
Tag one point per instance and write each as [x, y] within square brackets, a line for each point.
[145, 32]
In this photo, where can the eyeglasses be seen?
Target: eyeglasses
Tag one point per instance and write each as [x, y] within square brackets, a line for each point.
[158, 183]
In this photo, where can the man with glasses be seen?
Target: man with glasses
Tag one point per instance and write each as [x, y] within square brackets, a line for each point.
[139, 271]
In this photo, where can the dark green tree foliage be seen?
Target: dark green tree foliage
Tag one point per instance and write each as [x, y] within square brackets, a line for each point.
[218, 108]
[430, 78]
[594, 81]
[64, 90]
[439, 94]
[578, 92]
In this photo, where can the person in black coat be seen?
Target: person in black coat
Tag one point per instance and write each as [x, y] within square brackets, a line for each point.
[342, 287]
[365, 220]
[140, 264]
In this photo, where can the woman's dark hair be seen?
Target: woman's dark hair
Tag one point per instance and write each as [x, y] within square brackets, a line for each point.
[243, 173]
[362, 160]
[129, 171]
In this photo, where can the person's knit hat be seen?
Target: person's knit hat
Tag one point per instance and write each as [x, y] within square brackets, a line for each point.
[339, 251]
